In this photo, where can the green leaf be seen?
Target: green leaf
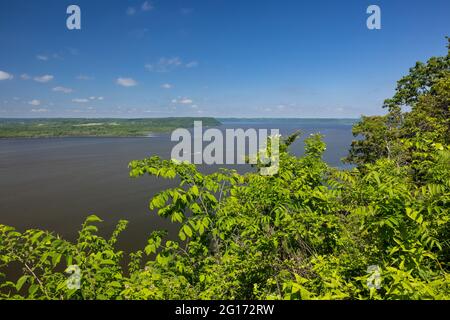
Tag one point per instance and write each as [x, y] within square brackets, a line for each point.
[36, 236]
[195, 191]
[151, 248]
[93, 218]
[56, 258]
[177, 217]
[21, 282]
[33, 288]
[187, 230]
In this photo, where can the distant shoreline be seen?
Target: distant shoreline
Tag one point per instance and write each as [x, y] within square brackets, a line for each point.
[50, 128]
[34, 128]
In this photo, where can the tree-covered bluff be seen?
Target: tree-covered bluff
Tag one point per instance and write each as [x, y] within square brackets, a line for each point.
[98, 127]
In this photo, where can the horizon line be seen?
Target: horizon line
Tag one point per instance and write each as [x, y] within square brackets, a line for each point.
[184, 117]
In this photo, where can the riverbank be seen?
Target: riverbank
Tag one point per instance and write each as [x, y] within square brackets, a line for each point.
[107, 127]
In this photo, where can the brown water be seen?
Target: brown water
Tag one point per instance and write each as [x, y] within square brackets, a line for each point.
[54, 184]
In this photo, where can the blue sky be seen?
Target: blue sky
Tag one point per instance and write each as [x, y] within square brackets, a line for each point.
[223, 58]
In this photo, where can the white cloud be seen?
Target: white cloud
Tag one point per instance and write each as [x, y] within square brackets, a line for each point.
[44, 78]
[78, 100]
[126, 82]
[131, 11]
[84, 77]
[34, 102]
[166, 86]
[192, 64]
[25, 76]
[42, 57]
[165, 64]
[96, 98]
[5, 75]
[183, 101]
[39, 110]
[168, 64]
[146, 6]
[62, 89]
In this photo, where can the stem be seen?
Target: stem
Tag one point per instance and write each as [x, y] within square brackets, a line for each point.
[41, 285]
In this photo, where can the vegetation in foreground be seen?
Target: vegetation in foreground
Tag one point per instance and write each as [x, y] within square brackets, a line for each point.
[309, 232]
[41, 128]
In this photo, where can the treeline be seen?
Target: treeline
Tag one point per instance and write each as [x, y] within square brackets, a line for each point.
[378, 231]
[35, 128]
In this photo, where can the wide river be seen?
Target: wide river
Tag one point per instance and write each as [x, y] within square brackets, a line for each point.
[54, 184]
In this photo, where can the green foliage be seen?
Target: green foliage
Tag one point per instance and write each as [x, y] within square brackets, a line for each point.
[308, 232]
[426, 92]
[43, 258]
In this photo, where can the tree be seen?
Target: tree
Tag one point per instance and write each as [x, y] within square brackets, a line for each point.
[425, 91]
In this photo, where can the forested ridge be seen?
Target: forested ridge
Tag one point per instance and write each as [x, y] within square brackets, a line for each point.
[378, 231]
[97, 127]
